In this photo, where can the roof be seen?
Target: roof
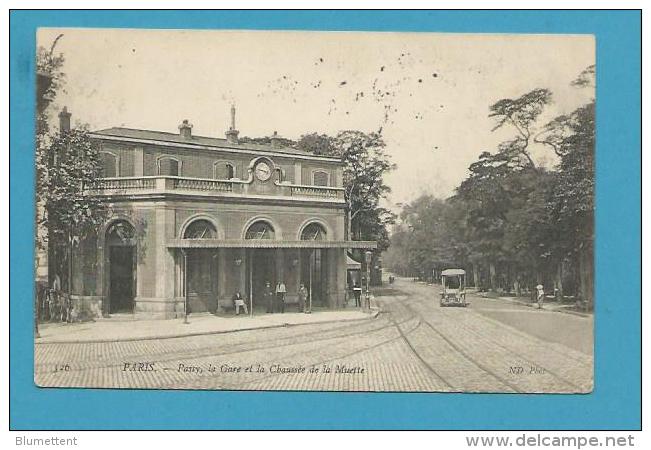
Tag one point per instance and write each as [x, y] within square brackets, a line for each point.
[452, 272]
[204, 141]
[352, 264]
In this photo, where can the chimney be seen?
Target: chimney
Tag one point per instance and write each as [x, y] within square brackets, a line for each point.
[64, 120]
[232, 133]
[276, 140]
[186, 129]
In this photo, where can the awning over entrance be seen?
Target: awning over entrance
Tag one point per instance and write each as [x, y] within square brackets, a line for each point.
[266, 243]
[352, 264]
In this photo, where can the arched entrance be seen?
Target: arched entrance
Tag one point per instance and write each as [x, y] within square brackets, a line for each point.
[314, 268]
[260, 262]
[201, 269]
[121, 270]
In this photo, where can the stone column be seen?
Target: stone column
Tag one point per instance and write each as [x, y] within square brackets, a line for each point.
[280, 266]
[224, 264]
[162, 305]
[336, 276]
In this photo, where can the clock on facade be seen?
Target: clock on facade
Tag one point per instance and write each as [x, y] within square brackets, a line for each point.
[263, 171]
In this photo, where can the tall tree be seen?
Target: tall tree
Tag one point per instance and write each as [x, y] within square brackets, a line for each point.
[366, 163]
[572, 138]
[68, 167]
[521, 114]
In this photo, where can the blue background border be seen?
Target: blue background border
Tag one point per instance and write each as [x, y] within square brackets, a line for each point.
[615, 402]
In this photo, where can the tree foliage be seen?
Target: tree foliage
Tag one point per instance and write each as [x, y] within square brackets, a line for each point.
[366, 163]
[68, 172]
[67, 169]
[512, 223]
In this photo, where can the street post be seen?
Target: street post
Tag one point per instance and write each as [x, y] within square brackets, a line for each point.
[368, 258]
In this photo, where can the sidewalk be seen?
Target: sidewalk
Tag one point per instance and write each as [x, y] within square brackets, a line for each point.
[107, 330]
[548, 306]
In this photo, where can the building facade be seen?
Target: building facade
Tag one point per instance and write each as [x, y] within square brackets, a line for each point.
[194, 219]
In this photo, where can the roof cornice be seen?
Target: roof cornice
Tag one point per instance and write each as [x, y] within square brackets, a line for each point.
[213, 147]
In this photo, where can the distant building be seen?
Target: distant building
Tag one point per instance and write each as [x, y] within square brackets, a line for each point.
[203, 217]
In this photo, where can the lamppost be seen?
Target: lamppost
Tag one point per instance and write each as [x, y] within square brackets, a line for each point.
[368, 258]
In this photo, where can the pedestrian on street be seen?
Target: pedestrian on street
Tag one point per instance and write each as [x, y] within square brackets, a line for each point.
[239, 302]
[357, 291]
[269, 297]
[302, 297]
[540, 295]
[54, 299]
[281, 290]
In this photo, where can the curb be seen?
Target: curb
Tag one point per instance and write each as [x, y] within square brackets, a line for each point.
[372, 315]
[531, 305]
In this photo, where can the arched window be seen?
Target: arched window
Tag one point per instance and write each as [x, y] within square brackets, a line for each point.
[120, 233]
[260, 230]
[223, 171]
[230, 171]
[200, 229]
[320, 178]
[109, 163]
[313, 232]
[168, 166]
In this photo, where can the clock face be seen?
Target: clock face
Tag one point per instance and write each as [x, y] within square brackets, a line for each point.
[263, 171]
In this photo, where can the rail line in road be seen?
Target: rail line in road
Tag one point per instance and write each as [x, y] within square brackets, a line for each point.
[458, 349]
[161, 353]
[177, 347]
[429, 367]
[520, 355]
[411, 346]
[559, 349]
[328, 360]
[546, 356]
[429, 362]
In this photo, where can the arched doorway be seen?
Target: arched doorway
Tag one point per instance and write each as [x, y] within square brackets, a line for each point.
[314, 268]
[121, 270]
[260, 262]
[201, 269]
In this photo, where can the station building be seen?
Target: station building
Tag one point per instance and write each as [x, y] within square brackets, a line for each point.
[194, 219]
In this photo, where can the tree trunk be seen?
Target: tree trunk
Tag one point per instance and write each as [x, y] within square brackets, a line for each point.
[475, 274]
[70, 265]
[348, 224]
[491, 269]
[558, 282]
[516, 286]
[586, 276]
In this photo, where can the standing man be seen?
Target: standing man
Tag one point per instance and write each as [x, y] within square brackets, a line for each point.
[302, 297]
[54, 299]
[269, 297]
[357, 291]
[540, 295]
[281, 290]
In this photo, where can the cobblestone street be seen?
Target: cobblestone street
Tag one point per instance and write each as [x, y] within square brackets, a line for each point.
[413, 345]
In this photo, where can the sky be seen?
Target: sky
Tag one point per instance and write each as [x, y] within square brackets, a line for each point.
[428, 93]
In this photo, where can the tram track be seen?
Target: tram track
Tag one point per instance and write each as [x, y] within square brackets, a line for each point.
[237, 386]
[511, 351]
[558, 348]
[479, 334]
[452, 344]
[209, 351]
[410, 346]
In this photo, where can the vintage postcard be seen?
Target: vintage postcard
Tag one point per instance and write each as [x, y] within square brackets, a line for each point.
[314, 211]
